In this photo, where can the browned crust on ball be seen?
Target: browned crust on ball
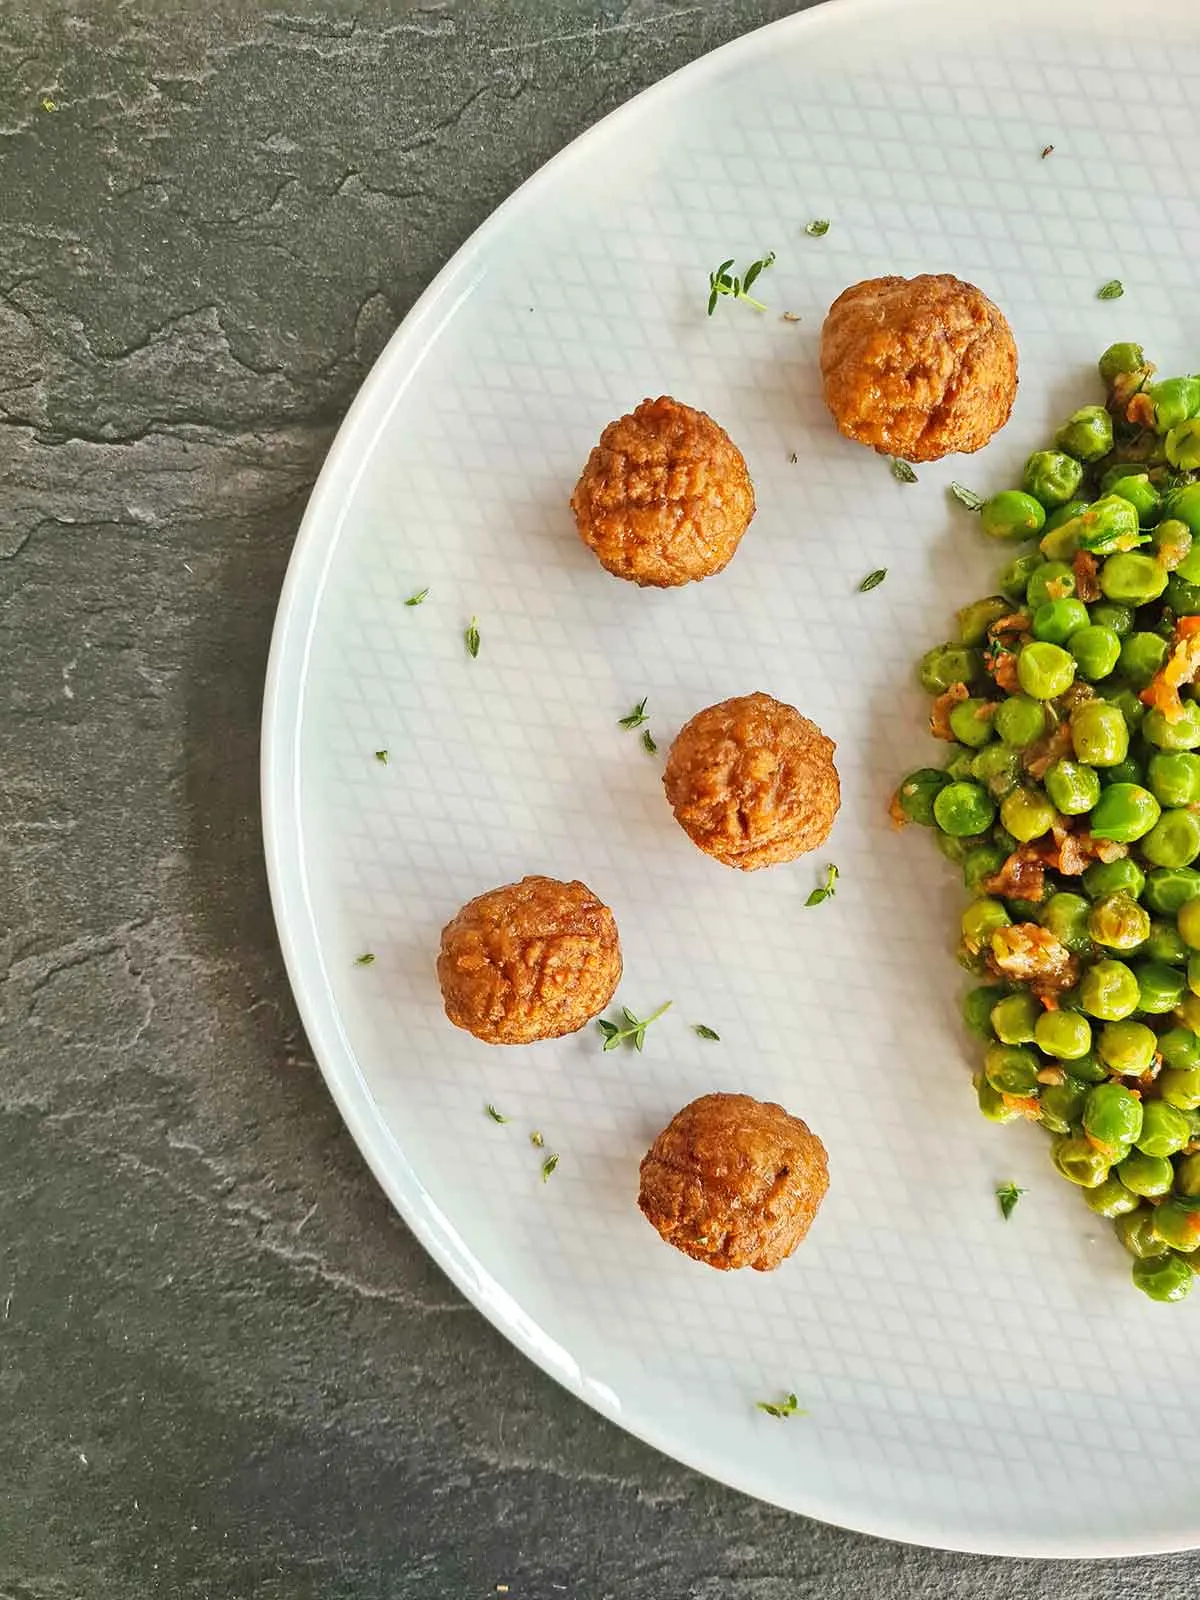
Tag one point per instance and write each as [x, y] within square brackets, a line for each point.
[665, 496]
[734, 1182]
[918, 367]
[752, 782]
[531, 960]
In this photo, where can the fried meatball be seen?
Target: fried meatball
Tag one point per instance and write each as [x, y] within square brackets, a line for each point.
[734, 1182]
[918, 367]
[532, 960]
[752, 782]
[665, 497]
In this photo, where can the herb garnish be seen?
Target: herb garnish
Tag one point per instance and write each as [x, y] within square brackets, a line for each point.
[781, 1408]
[416, 599]
[790, 316]
[1007, 1195]
[722, 281]
[637, 716]
[548, 1167]
[615, 1035]
[902, 472]
[648, 741]
[1048, 151]
[367, 959]
[817, 228]
[1112, 290]
[536, 1139]
[471, 638]
[705, 1032]
[793, 457]
[872, 580]
[966, 497]
[826, 890]
[382, 757]
[496, 1116]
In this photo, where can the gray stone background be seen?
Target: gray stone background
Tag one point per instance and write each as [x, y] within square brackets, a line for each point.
[227, 1368]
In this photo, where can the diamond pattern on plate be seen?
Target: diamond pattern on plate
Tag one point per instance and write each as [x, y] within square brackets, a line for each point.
[963, 1376]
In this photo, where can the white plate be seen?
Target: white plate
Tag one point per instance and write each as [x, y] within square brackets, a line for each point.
[969, 1383]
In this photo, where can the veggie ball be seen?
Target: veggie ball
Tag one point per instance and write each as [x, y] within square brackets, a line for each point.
[752, 782]
[532, 960]
[665, 496]
[734, 1182]
[918, 367]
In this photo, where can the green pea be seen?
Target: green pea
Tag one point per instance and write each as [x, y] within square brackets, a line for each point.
[1182, 597]
[1189, 923]
[1187, 1175]
[992, 1103]
[1165, 1277]
[1165, 1130]
[975, 620]
[1138, 490]
[1111, 1198]
[1189, 568]
[1180, 1050]
[1193, 972]
[981, 919]
[998, 768]
[1184, 503]
[1135, 1229]
[1177, 1223]
[916, 794]
[971, 722]
[1127, 703]
[1132, 577]
[1027, 814]
[1057, 620]
[1045, 671]
[1173, 778]
[1011, 1069]
[1127, 771]
[1013, 1018]
[1149, 1176]
[1142, 654]
[1004, 839]
[1087, 434]
[1163, 943]
[1119, 359]
[1174, 401]
[1127, 1047]
[1099, 734]
[1160, 987]
[1063, 1034]
[1172, 544]
[1051, 477]
[977, 1008]
[1073, 788]
[947, 664]
[1014, 580]
[1183, 734]
[956, 850]
[1060, 1104]
[981, 863]
[963, 809]
[1053, 580]
[1078, 1161]
[1023, 910]
[1108, 525]
[1167, 888]
[959, 767]
[1118, 922]
[1019, 721]
[1012, 515]
[1114, 877]
[1183, 445]
[1125, 812]
[1096, 649]
[1112, 1117]
[1174, 840]
[1109, 991]
[1111, 614]
[1089, 1068]
[1062, 542]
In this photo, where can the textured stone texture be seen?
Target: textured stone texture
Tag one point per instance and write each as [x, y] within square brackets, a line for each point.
[228, 1369]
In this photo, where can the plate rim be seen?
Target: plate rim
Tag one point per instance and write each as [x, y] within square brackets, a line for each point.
[309, 562]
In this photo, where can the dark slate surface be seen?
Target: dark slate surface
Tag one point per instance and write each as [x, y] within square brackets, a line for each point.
[227, 1368]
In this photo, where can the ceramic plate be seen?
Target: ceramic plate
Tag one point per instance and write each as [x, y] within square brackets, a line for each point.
[967, 1382]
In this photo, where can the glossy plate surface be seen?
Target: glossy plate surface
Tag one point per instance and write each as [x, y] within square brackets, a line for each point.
[968, 1382]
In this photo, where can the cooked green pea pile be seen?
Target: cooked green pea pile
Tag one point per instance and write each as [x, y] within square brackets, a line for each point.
[1071, 801]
